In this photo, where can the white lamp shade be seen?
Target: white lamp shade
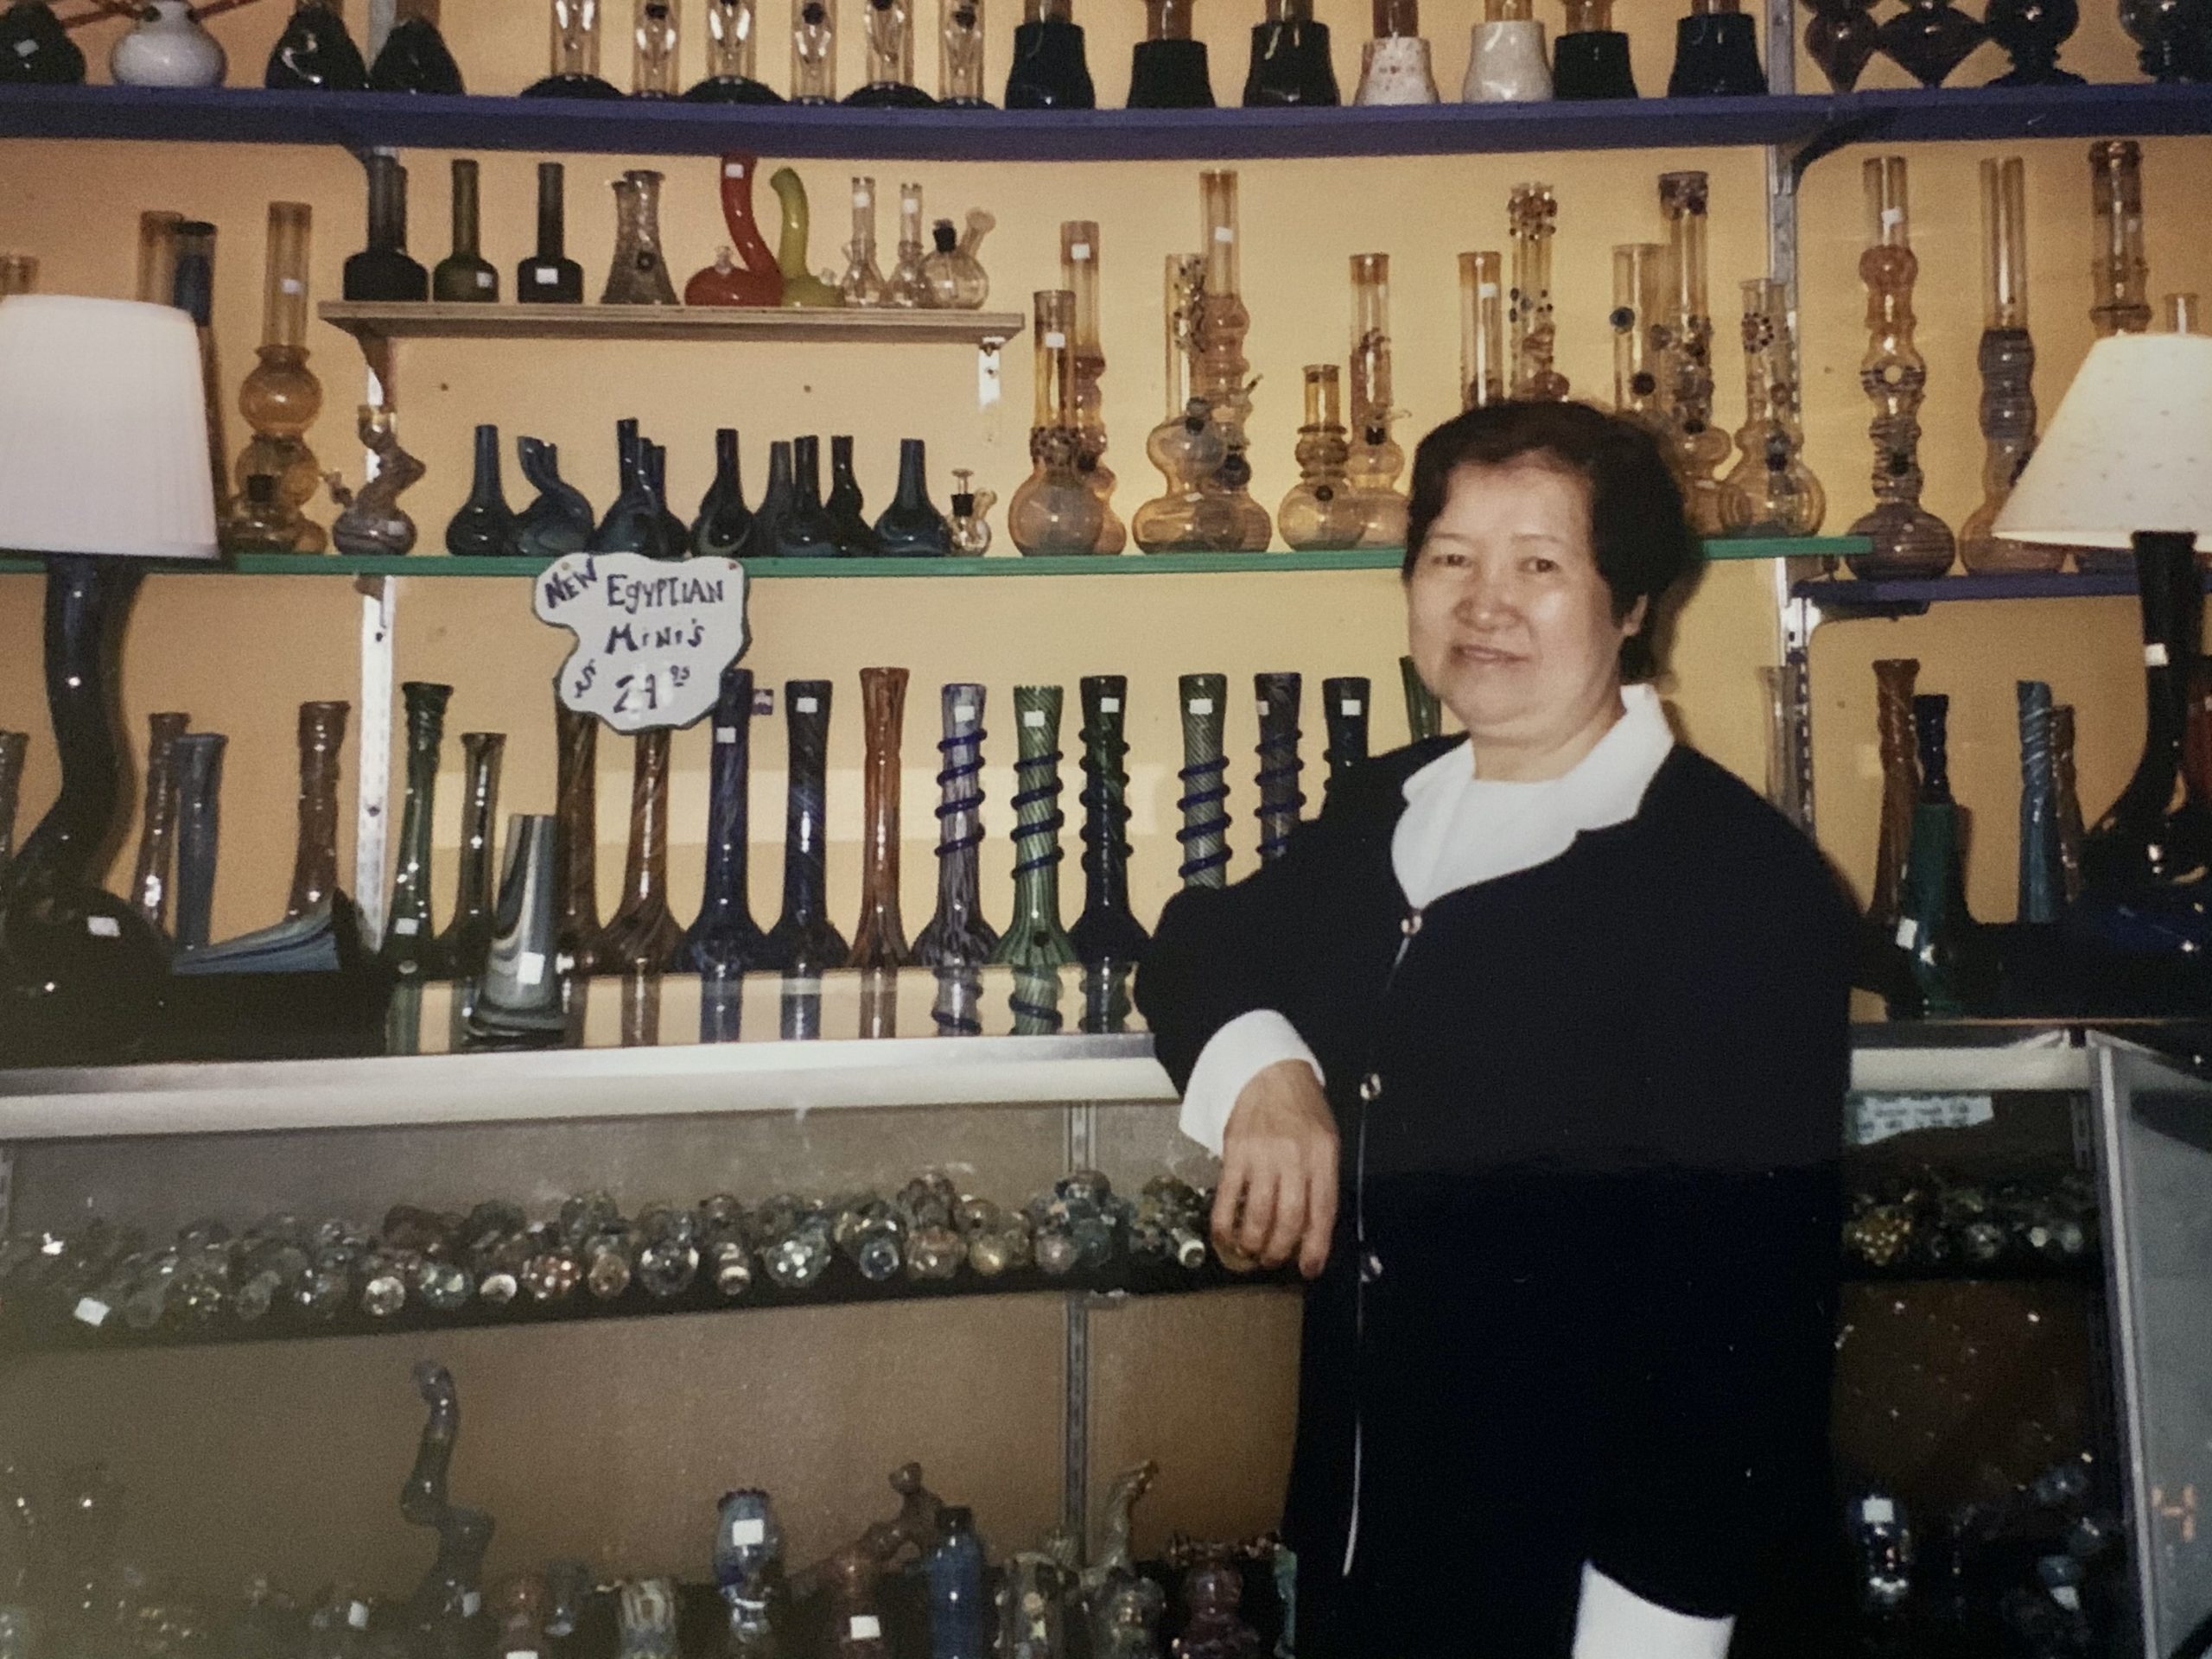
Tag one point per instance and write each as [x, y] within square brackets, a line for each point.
[2130, 449]
[103, 430]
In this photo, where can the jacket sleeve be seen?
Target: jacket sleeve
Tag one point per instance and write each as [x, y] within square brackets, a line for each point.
[1718, 1396]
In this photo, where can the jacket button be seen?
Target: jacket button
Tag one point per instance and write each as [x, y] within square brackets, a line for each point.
[1369, 1087]
[1370, 1266]
[1411, 925]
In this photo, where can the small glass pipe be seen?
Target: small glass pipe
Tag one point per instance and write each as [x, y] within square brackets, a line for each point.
[890, 83]
[1186, 445]
[2119, 276]
[971, 527]
[1080, 272]
[908, 289]
[574, 54]
[863, 283]
[955, 272]
[1698, 444]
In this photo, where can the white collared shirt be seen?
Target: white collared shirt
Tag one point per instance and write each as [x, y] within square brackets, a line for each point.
[1458, 830]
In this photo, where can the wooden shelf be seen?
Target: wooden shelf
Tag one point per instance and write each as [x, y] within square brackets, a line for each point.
[425, 320]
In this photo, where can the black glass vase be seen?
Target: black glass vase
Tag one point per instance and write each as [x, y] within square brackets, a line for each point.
[911, 527]
[1345, 713]
[484, 526]
[415, 59]
[2031, 32]
[637, 521]
[805, 943]
[2173, 38]
[383, 271]
[1593, 63]
[1929, 39]
[1106, 932]
[804, 530]
[724, 527]
[35, 49]
[315, 54]
[410, 948]
[846, 506]
[1170, 75]
[1291, 65]
[1716, 55]
[1841, 37]
[724, 939]
[1050, 71]
[775, 500]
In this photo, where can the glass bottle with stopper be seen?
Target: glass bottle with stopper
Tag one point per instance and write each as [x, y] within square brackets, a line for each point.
[960, 55]
[1375, 459]
[1394, 67]
[1506, 62]
[1770, 492]
[1050, 70]
[1532, 216]
[281, 396]
[1055, 511]
[1591, 59]
[814, 52]
[1221, 368]
[549, 277]
[1908, 541]
[1186, 447]
[1322, 509]
[1079, 252]
[733, 49]
[1717, 54]
[415, 57]
[654, 36]
[465, 274]
[2008, 361]
[1291, 65]
[1168, 69]
[890, 82]
[382, 271]
[574, 53]
[1483, 376]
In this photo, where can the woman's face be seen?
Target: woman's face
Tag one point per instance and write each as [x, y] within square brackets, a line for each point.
[1511, 623]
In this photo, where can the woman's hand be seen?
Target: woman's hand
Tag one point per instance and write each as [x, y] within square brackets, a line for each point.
[1278, 1194]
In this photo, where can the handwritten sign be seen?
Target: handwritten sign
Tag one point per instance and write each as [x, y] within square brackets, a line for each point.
[652, 636]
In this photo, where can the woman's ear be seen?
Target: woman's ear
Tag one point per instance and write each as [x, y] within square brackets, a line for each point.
[1632, 622]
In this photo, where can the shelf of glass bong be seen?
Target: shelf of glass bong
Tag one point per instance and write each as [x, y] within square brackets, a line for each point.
[82, 1291]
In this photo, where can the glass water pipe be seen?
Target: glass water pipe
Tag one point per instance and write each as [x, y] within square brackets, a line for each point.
[1186, 445]
[2008, 361]
[1483, 376]
[1375, 459]
[960, 55]
[1220, 367]
[1532, 215]
[1079, 273]
[1639, 275]
[1322, 509]
[1395, 67]
[1055, 511]
[281, 396]
[1698, 445]
[1770, 491]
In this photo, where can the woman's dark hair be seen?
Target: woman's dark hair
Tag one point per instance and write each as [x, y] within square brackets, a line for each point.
[1638, 528]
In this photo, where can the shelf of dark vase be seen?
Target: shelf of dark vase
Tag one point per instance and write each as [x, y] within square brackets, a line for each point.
[1010, 564]
[1841, 598]
[424, 320]
[360, 121]
[840, 1284]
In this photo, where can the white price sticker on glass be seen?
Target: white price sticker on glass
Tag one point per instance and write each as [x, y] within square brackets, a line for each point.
[732, 169]
[1201, 705]
[471, 1603]
[356, 1615]
[963, 712]
[1054, 341]
[1110, 705]
[92, 1311]
[805, 705]
[1079, 252]
[546, 278]
[407, 926]
[530, 967]
[2154, 654]
[1349, 709]
[864, 1627]
[103, 927]
[725, 734]
[1033, 718]
[751, 1530]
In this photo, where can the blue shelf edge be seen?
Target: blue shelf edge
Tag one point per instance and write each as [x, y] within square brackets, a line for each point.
[360, 121]
[1843, 596]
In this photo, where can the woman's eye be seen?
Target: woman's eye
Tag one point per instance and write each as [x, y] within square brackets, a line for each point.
[1542, 567]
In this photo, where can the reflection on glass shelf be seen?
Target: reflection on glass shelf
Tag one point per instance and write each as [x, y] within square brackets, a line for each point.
[664, 1010]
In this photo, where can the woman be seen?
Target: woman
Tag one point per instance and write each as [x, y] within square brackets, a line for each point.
[1531, 1050]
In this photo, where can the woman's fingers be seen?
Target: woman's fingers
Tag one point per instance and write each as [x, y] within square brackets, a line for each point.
[1289, 1229]
[1260, 1201]
[1228, 1199]
[1320, 1219]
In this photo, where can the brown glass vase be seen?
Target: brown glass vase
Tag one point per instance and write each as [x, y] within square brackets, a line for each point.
[880, 941]
[575, 803]
[14, 747]
[155, 874]
[315, 865]
[1894, 679]
[642, 936]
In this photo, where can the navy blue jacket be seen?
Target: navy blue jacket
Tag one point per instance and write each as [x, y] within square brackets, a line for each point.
[1581, 1299]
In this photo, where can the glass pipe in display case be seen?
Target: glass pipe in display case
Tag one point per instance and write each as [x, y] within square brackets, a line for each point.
[911, 527]
[1291, 64]
[960, 55]
[1770, 491]
[35, 49]
[1716, 54]
[957, 935]
[849, 529]
[1167, 69]
[2007, 360]
[1695, 443]
[1395, 67]
[805, 941]
[654, 43]
[1376, 460]
[549, 277]
[1080, 272]
[1186, 445]
[1277, 697]
[1532, 216]
[1639, 273]
[814, 52]
[1506, 62]
[1034, 938]
[1050, 71]
[906, 286]
[1321, 509]
[863, 283]
[152, 878]
[1841, 36]
[1591, 59]
[314, 55]
[575, 54]
[409, 947]
[484, 527]
[1055, 511]
[1106, 932]
[1908, 539]
[1483, 373]
[1929, 39]
[723, 939]
[744, 272]
[750, 1573]
[880, 941]
[2031, 32]
[465, 274]
[732, 50]
[466, 945]
[2170, 38]
[187, 247]
[415, 57]
[968, 524]
[890, 85]
[281, 396]
[802, 287]
[1220, 367]
[314, 861]
[724, 527]
[638, 275]
[370, 520]
[1201, 699]
[382, 271]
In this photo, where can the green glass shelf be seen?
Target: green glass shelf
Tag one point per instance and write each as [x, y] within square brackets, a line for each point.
[1135, 564]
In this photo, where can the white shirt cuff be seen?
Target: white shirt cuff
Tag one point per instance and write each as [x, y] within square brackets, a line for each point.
[1615, 1623]
[1233, 1056]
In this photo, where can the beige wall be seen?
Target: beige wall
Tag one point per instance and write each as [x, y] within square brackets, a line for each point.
[856, 1389]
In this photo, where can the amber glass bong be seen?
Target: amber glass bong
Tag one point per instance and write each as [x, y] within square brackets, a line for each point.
[1770, 491]
[1698, 445]
[1376, 460]
[1322, 509]
[1080, 272]
[1220, 367]
[1055, 511]
[1532, 214]
[1639, 276]
[280, 399]
[1186, 447]
[1483, 377]
[2008, 361]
